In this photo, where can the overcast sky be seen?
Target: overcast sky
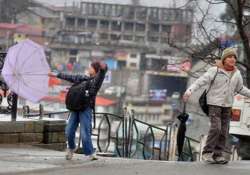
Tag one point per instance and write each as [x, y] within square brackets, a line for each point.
[158, 3]
[215, 10]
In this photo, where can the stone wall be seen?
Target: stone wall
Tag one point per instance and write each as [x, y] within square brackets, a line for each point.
[49, 134]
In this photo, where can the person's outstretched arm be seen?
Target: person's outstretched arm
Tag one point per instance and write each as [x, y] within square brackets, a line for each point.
[69, 77]
[201, 81]
[241, 89]
[97, 81]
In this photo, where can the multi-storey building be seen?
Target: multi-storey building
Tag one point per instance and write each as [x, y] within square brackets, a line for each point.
[130, 25]
[127, 36]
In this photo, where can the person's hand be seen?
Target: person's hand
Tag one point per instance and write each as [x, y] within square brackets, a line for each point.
[186, 95]
[52, 74]
[103, 65]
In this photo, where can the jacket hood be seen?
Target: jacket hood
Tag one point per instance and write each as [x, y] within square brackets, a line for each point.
[219, 64]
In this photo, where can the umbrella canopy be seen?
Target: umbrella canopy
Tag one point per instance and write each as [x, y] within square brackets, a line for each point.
[183, 117]
[25, 70]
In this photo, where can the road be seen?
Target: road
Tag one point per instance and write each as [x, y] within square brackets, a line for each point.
[28, 160]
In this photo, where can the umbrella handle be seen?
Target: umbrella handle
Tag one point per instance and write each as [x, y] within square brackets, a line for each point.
[184, 107]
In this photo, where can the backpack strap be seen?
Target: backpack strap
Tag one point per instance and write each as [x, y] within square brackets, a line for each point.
[94, 117]
[213, 79]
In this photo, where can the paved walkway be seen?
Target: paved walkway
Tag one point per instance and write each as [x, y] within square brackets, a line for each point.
[28, 160]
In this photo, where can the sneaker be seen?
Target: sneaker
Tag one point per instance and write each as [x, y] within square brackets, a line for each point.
[221, 160]
[208, 157]
[69, 154]
[92, 157]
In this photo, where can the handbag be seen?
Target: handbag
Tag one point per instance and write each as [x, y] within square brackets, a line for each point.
[203, 97]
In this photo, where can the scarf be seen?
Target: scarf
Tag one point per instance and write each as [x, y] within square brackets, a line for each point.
[225, 67]
[229, 68]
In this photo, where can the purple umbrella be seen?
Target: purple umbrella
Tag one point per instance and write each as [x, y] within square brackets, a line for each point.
[26, 70]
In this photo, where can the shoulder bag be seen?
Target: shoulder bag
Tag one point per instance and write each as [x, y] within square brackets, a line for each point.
[203, 97]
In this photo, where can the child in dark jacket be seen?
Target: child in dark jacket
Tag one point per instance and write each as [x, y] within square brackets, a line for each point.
[95, 74]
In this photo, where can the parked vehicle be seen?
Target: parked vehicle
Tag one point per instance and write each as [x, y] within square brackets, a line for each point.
[240, 125]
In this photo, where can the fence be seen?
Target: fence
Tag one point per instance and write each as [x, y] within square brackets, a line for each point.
[126, 136]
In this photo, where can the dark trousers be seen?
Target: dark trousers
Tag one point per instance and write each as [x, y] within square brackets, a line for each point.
[219, 129]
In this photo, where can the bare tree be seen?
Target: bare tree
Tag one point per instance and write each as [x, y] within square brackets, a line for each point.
[234, 15]
[207, 37]
[9, 9]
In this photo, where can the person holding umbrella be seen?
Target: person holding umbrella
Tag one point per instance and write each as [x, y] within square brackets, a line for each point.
[95, 74]
[227, 81]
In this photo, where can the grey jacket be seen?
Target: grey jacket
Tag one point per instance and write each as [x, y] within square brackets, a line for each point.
[225, 86]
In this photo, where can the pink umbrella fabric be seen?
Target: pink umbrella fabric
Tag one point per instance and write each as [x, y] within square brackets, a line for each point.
[25, 70]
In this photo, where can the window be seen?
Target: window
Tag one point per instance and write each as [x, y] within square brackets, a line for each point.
[115, 37]
[139, 39]
[96, 9]
[129, 12]
[154, 27]
[104, 36]
[141, 13]
[73, 52]
[132, 65]
[81, 23]
[89, 9]
[113, 11]
[166, 28]
[133, 55]
[116, 26]
[104, 25]
[154, 14]
[140, 27]
[92, 23]
[153, 38]
[107, 10]
[128, 26]
[128, 37]
[101, 9]
[70, 22]
[84, 8]
[165, 40]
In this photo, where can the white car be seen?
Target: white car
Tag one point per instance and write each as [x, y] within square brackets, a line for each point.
[115, 90]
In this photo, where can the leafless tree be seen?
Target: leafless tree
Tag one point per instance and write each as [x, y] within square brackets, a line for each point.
[9, 9]
[206, 36]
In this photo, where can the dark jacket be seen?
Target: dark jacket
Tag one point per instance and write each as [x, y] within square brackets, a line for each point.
[94, 85]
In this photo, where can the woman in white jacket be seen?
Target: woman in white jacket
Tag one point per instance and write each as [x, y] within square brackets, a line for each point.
[227, 82]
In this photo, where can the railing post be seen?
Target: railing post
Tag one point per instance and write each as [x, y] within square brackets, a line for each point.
[14, 107]
[130, 131]
[41, 111]
[125, 132]
[26, 110]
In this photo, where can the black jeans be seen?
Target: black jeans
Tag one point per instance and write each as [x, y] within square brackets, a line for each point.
[219, 129]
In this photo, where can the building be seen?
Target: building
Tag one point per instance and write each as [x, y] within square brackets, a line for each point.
[125, 26]
[133, 39]
[13, 33]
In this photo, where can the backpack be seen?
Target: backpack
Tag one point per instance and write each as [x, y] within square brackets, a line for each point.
[78, 97]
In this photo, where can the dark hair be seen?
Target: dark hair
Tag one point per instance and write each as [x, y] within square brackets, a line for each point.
[96, 65]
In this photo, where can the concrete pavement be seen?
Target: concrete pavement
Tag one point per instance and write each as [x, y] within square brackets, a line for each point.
[29, 160]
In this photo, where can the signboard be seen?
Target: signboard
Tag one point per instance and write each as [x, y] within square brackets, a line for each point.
[108, 77]
[158, 94]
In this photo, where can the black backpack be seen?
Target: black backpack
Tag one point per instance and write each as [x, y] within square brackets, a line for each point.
[78, 97]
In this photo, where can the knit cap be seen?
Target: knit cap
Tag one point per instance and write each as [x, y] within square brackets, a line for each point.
[227, 52]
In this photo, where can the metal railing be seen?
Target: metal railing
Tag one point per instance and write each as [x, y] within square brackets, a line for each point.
[125, 136]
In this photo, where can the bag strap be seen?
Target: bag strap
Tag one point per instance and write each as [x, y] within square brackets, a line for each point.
[94, 117]
[213, 80]
[184, 108]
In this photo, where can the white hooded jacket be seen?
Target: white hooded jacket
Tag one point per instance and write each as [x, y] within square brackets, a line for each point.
[224, 87]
